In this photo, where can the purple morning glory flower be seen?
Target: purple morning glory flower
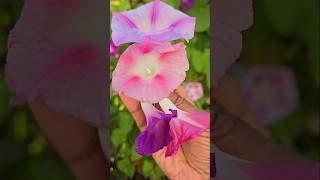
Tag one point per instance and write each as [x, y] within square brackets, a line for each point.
[155, 20]
[156, 136]
[186, 4]
[170, 128]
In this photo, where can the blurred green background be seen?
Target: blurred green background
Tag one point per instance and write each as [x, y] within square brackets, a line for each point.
[285, 32]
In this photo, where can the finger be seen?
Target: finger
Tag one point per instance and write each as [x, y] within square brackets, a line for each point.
[134, 107]
[181, 102]
[229, 96]
[75, 141]
[235, 137]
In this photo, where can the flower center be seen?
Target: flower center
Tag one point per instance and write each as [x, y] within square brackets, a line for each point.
[146, 65]
[192, 91]
[149, 71]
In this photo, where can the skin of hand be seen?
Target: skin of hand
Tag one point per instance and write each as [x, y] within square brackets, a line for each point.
[75, 141]
[193, 158]
[228, 94]
[235, 131]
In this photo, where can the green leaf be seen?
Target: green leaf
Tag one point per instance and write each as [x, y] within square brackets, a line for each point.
[196, 61]
[20, 125]
[133, 154]
[119, 5]
[282, 18]
[201, 3]
[201, 11]
[125, 122]
[45, 168]
[200, 60]
[117, 137]
[124, 150]
[147, 168]
[157, 173]
[126, 167]
[4, 95]
[173, 3]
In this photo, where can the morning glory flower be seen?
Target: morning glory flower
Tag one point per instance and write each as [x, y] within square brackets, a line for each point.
[193, 90]
[170, 128]
[113, 49]
[150, 71]
[60, 60]
[155, 20]
[271, 92]
[156, 136]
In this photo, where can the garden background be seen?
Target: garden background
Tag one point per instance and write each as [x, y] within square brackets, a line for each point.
[285, 33]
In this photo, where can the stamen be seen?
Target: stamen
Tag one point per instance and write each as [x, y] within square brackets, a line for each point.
[149, 71]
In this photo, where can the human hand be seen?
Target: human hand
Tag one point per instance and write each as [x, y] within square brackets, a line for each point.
[75, 141]
[235, 130]
[193, 158]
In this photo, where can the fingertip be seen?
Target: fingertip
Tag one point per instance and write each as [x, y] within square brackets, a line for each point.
[128, 101]
[134, 108]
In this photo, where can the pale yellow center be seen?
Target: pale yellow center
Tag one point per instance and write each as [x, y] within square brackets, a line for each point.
[147, 65]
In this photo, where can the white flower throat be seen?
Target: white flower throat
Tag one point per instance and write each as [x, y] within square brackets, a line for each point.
[147, 65]
[149, 71]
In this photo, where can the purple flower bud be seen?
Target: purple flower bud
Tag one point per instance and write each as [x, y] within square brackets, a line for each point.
[186, 4]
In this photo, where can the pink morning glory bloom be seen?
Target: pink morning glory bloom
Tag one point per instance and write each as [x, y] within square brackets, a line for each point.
[193, 90]
[271, 92]
[170, 128]
[113, 49]
[55, 58]
[155, 20]
[230, 18]
[150, 71]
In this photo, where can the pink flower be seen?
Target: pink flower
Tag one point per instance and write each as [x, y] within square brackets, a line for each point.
[194, 90]
[113, 49]
[150, 71]
[170, 128]
[271, 92]
[55, 58]
[155, 20]
[230, 18]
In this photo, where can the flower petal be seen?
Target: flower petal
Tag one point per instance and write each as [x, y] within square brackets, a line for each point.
[155, 137]
[182, 130]
[185, 127]
[167, 64]
[231, 17]
[113, 49]
[40, 48]
[155, 20]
